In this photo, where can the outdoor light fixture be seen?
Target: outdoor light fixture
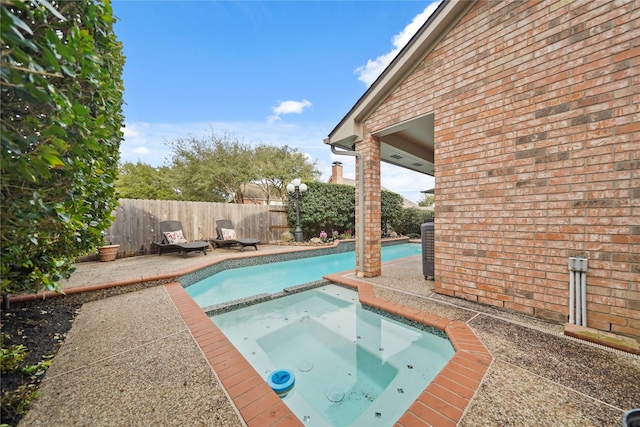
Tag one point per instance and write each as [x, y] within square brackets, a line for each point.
[297, 190]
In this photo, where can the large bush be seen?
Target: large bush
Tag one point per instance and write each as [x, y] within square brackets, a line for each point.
[325, 207]
[410, 221]
[329, 207]
[391, 210]
[61, 132]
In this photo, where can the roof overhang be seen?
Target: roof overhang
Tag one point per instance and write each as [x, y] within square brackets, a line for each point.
[409, 144]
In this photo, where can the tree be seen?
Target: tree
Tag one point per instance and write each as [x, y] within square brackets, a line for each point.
[61, 131]
[215, 169]
[277, 166]
[427, 200]
[142, 181]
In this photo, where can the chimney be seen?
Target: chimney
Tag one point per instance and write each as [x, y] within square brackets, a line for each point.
[336, 173]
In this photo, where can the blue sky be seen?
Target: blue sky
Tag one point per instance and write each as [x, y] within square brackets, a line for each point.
[271, 72]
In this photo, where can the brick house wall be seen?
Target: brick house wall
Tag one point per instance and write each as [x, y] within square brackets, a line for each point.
[537, 155]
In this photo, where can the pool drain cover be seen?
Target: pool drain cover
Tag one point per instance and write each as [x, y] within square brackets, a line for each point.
[305, 365]
[335, 394]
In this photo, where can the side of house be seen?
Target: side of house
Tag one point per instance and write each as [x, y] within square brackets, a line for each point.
[536, 136]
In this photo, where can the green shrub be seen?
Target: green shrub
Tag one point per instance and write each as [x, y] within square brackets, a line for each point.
[332, 207]
[325, 207]
[16, 403]
[410, 221]
[11, 357]
[391, 210]
[61, 130]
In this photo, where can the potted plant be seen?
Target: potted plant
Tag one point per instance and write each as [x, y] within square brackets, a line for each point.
[108, 251]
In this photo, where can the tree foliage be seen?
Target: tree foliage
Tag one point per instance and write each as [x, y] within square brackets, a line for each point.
[141, 181]
[277, 166]
[217, 168]
[214, 169]
[61, 130]
[427, 200]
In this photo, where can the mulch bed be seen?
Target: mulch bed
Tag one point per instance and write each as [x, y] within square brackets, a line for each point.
[41, 327]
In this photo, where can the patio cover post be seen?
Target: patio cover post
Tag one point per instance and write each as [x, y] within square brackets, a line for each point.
[372, 210]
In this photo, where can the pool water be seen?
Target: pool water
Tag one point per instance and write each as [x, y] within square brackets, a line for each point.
[352, 367]
[238, 283]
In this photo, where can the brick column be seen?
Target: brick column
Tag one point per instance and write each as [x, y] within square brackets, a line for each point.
[370, 149]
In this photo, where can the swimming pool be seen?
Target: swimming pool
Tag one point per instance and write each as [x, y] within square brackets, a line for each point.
[243, 282]
[351, 366]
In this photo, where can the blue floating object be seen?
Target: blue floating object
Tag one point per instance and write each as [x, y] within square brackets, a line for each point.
[281, 381]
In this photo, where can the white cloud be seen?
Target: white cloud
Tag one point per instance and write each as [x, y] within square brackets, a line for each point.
[144, 142]
[288, 107]
[140, 150]
[130, 133]
[369, 72]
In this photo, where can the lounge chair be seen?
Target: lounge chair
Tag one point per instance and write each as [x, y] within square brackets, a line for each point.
[173, 240]
[227, 237]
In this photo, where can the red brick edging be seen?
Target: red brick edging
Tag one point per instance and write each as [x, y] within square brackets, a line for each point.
[442, 403]
[14, 299]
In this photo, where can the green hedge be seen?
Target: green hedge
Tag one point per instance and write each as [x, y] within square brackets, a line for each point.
[329, 207]
[411, 220]
[61, 131]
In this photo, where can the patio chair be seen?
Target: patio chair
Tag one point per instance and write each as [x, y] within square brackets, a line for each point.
[173, 240]
[227, 237]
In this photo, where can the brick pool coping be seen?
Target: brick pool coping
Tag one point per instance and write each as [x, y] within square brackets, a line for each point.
[151, 277]
[288, 252]
[442, 403]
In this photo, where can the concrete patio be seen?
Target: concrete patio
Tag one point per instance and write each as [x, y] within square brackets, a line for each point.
[131, 359]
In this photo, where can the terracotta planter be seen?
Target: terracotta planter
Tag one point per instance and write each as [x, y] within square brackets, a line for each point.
[108, 252]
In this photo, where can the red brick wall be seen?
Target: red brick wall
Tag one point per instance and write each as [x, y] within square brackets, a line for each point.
[537, 155]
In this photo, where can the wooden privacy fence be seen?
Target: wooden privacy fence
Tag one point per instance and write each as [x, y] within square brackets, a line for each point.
[136, 223]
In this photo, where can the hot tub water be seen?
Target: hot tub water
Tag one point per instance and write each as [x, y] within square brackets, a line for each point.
[352, 366]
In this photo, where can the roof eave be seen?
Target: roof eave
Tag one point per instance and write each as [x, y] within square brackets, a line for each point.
[448, 13]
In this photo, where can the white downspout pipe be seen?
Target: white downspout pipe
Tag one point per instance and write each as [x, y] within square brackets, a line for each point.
[358, 155]
[578, 290]
[576, 278]
[572, 295]
[583, 275]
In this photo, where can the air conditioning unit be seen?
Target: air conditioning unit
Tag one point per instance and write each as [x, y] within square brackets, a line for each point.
[428, 249]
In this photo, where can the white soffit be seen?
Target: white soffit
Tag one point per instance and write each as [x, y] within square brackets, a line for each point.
[409, 144]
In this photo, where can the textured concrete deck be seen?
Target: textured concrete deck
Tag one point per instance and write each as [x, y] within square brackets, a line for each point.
[138, 359]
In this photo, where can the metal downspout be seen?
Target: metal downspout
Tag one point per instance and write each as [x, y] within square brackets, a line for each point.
[578, 290]
[358, 155]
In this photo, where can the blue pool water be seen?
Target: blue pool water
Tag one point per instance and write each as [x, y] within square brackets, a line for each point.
[352, 367]
[237, 283]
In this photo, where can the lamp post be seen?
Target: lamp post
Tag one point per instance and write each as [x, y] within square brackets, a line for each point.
[297, 190]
